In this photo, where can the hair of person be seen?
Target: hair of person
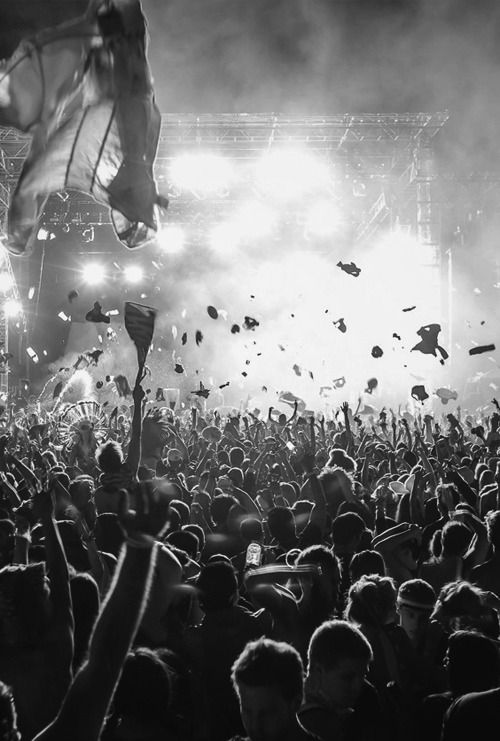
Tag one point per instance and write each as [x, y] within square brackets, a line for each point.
[459, 598]
[493, 529]
[324, 557]
[473, 662]
[197, 530]
[335, 641]
[346, 528]
[339, 458]
[371, 600]
[217, 585]
[280, 519]
[270, 664]
[144, 689]
[456, 538]
[220, 506]
[417, 594]
[365, 563]
[236, 456]
[183, 510]
[186, 541]
[109, 456]
[251, 529]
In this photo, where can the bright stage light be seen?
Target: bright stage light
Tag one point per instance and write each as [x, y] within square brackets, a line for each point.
[254, 220]
[322, 219]
[133, 273]
[171, 239]
[5, 282]
[289, 173]
[201, 173]
[12, 308]
[224, 237]
[93, 273]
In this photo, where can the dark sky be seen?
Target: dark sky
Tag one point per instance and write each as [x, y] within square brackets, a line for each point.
[317, 56]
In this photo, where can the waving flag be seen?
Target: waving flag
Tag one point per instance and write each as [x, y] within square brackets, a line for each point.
[140, 325]
[84, 90]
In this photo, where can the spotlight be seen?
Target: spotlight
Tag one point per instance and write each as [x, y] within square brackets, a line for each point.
[322, 219]
[12, 308]
[133, 274]
[171, 238]
[93, 273]
[289, 173]
[201, 173]
[5, 282]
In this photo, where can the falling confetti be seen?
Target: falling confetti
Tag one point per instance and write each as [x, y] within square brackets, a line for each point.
[297, 370]
[350, 268]
[199, 337]
[410, 308]
[72, 295]
[446, 395]
[481, 349]
[184, 338]
[212, 312]
[250, 323]
[235, 329]
[99, 385]
[202, 391]
[244, 373]
[340, 324]
[371, 385]
[94, 356]
[429, 342]
[377, 351]
[223, 385]
[264, 388]
[281, 348]
[396, 336]
[338, 383]
[95, 315]
[178, 368]
[419, 393]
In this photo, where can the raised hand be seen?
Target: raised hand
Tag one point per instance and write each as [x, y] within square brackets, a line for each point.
[150, 518]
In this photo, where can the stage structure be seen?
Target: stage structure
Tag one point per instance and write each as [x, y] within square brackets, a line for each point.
[381, 174]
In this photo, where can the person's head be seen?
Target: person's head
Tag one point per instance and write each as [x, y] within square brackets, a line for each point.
[463, 606]
[455, 539]
[198, 531]
[8, 715]
[472, 661]
[365, 563]
[281, 523]
[337, 485]
[347, 530]
[338, 658]
[217, 586]
[142, 698]
[81, 490]
[372, 601]
[236, 476]
[268, 679]
[109, 457]
[415, 603]
[183, 510]
[236, 457]
[220, 507]
[251, 530]
[493, 529]
[186, 541]
[486, 477]
[325, 587]
[338, 457]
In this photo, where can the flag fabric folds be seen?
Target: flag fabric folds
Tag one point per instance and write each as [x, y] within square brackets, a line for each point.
[94, 120]
[140, 325]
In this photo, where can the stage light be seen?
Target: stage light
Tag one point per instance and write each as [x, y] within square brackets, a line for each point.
[171, 239]
[5, 282]
[133, 273]
[224, 237]
[322, 219]
[289, 173]
[12, 308]
[254, 220]
[201, 173]
[93, 273]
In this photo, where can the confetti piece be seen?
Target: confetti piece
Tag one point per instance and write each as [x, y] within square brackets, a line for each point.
[419, 393]
[350, 268]
[410, 308]
[178, 368]
[340, 324]
[99, 385]
[94, 356]
[250, 323]
[212, 312]
[95, 315]
[377, 351]
[199, 337]
[203, 392]
[396, 336]
[481, 349]
[297, 370]
[429, 342]
[244, 373]
[371, 385]
[223, 385]
[235, 329]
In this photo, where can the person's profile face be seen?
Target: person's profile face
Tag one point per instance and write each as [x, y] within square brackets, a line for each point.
[341, 686]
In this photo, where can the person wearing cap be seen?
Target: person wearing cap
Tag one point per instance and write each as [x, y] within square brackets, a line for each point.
[397, 545]
[415, 603]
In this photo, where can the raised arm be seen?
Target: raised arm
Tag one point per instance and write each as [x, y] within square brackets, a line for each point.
[84, 709]
[134, 447]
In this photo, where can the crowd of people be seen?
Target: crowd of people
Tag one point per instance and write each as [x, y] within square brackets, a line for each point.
[267, 577]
